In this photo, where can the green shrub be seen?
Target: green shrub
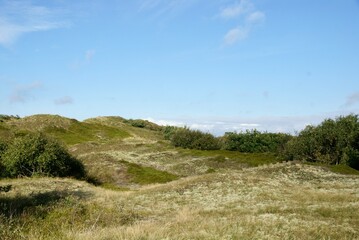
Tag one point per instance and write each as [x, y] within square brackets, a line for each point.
[4, 117]
[3, 147]
[331, 142]
[143, 124]
[168, 131]
[194, 139]
[254, 141]
[37, 154]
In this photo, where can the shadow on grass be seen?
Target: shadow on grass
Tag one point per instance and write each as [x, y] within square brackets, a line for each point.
[14, 206]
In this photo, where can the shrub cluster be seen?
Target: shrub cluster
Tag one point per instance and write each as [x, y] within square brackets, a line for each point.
[254, 141]
[192, 139]
[8, 117]
[37, 154]
[169, 131]
[249, 141]
[332, 142]
[143, 124]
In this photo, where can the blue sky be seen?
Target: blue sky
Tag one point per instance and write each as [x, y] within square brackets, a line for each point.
[224, 65]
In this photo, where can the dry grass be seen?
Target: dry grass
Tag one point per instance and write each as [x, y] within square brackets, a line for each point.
[272, 201]
[281, 201]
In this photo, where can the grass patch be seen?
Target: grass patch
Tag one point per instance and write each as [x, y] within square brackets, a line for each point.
[343, 169]
[48, 218]
[340, 168]
[18, 205]
[113, 187]
[223, 156]
[85, 132]
[68, 130]
[147, 175]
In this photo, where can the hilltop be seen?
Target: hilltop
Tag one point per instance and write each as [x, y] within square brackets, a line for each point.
[128, 153]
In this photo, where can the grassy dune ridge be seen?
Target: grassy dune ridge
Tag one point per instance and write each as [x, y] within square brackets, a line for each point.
[150, 190]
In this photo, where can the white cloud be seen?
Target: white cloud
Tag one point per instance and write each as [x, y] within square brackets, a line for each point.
[64, 100]
[234, 35]
[236, 10]
[23, 93]
[166, 122]
[218, 126]
[256, 17]
[18, 18]
[202, 127]
[162, 7]
[244, 12]
[9, 32]
[352, 99]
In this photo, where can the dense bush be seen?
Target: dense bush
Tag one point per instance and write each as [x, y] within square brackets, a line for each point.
[143, 124]
[332, 142]
[8, 117]
[193, 139]
[3, 147]
[169, 131]
[254, 141]
[36, 154]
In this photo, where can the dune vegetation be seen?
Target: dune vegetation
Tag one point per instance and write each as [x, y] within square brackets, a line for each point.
[144, 181]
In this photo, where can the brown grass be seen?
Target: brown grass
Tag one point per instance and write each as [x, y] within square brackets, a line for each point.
[281, 201]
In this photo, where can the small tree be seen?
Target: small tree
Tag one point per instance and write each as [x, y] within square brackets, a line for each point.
[194, 139]
[331, 142]
[255, 141]
[169, 131]
[37, 154]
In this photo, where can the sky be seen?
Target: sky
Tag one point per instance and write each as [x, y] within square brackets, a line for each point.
[213, 65]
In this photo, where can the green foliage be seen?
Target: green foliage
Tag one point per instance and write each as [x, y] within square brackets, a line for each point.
[5, 188]
[194, 139]
[4, 117]
[344, 169]
[168, 131]
[36, 154]
[147, 175]
[255, 141]
[3, 147]
[143, 124]
[79, 132]
[331, 142]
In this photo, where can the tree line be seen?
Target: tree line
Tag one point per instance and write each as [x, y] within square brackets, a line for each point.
[334, 141]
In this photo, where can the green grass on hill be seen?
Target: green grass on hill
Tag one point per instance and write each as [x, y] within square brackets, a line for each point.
[248, 159]
[147, 175]
[68, 130]
[340, 168]
[343, 169]
[85, 132]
